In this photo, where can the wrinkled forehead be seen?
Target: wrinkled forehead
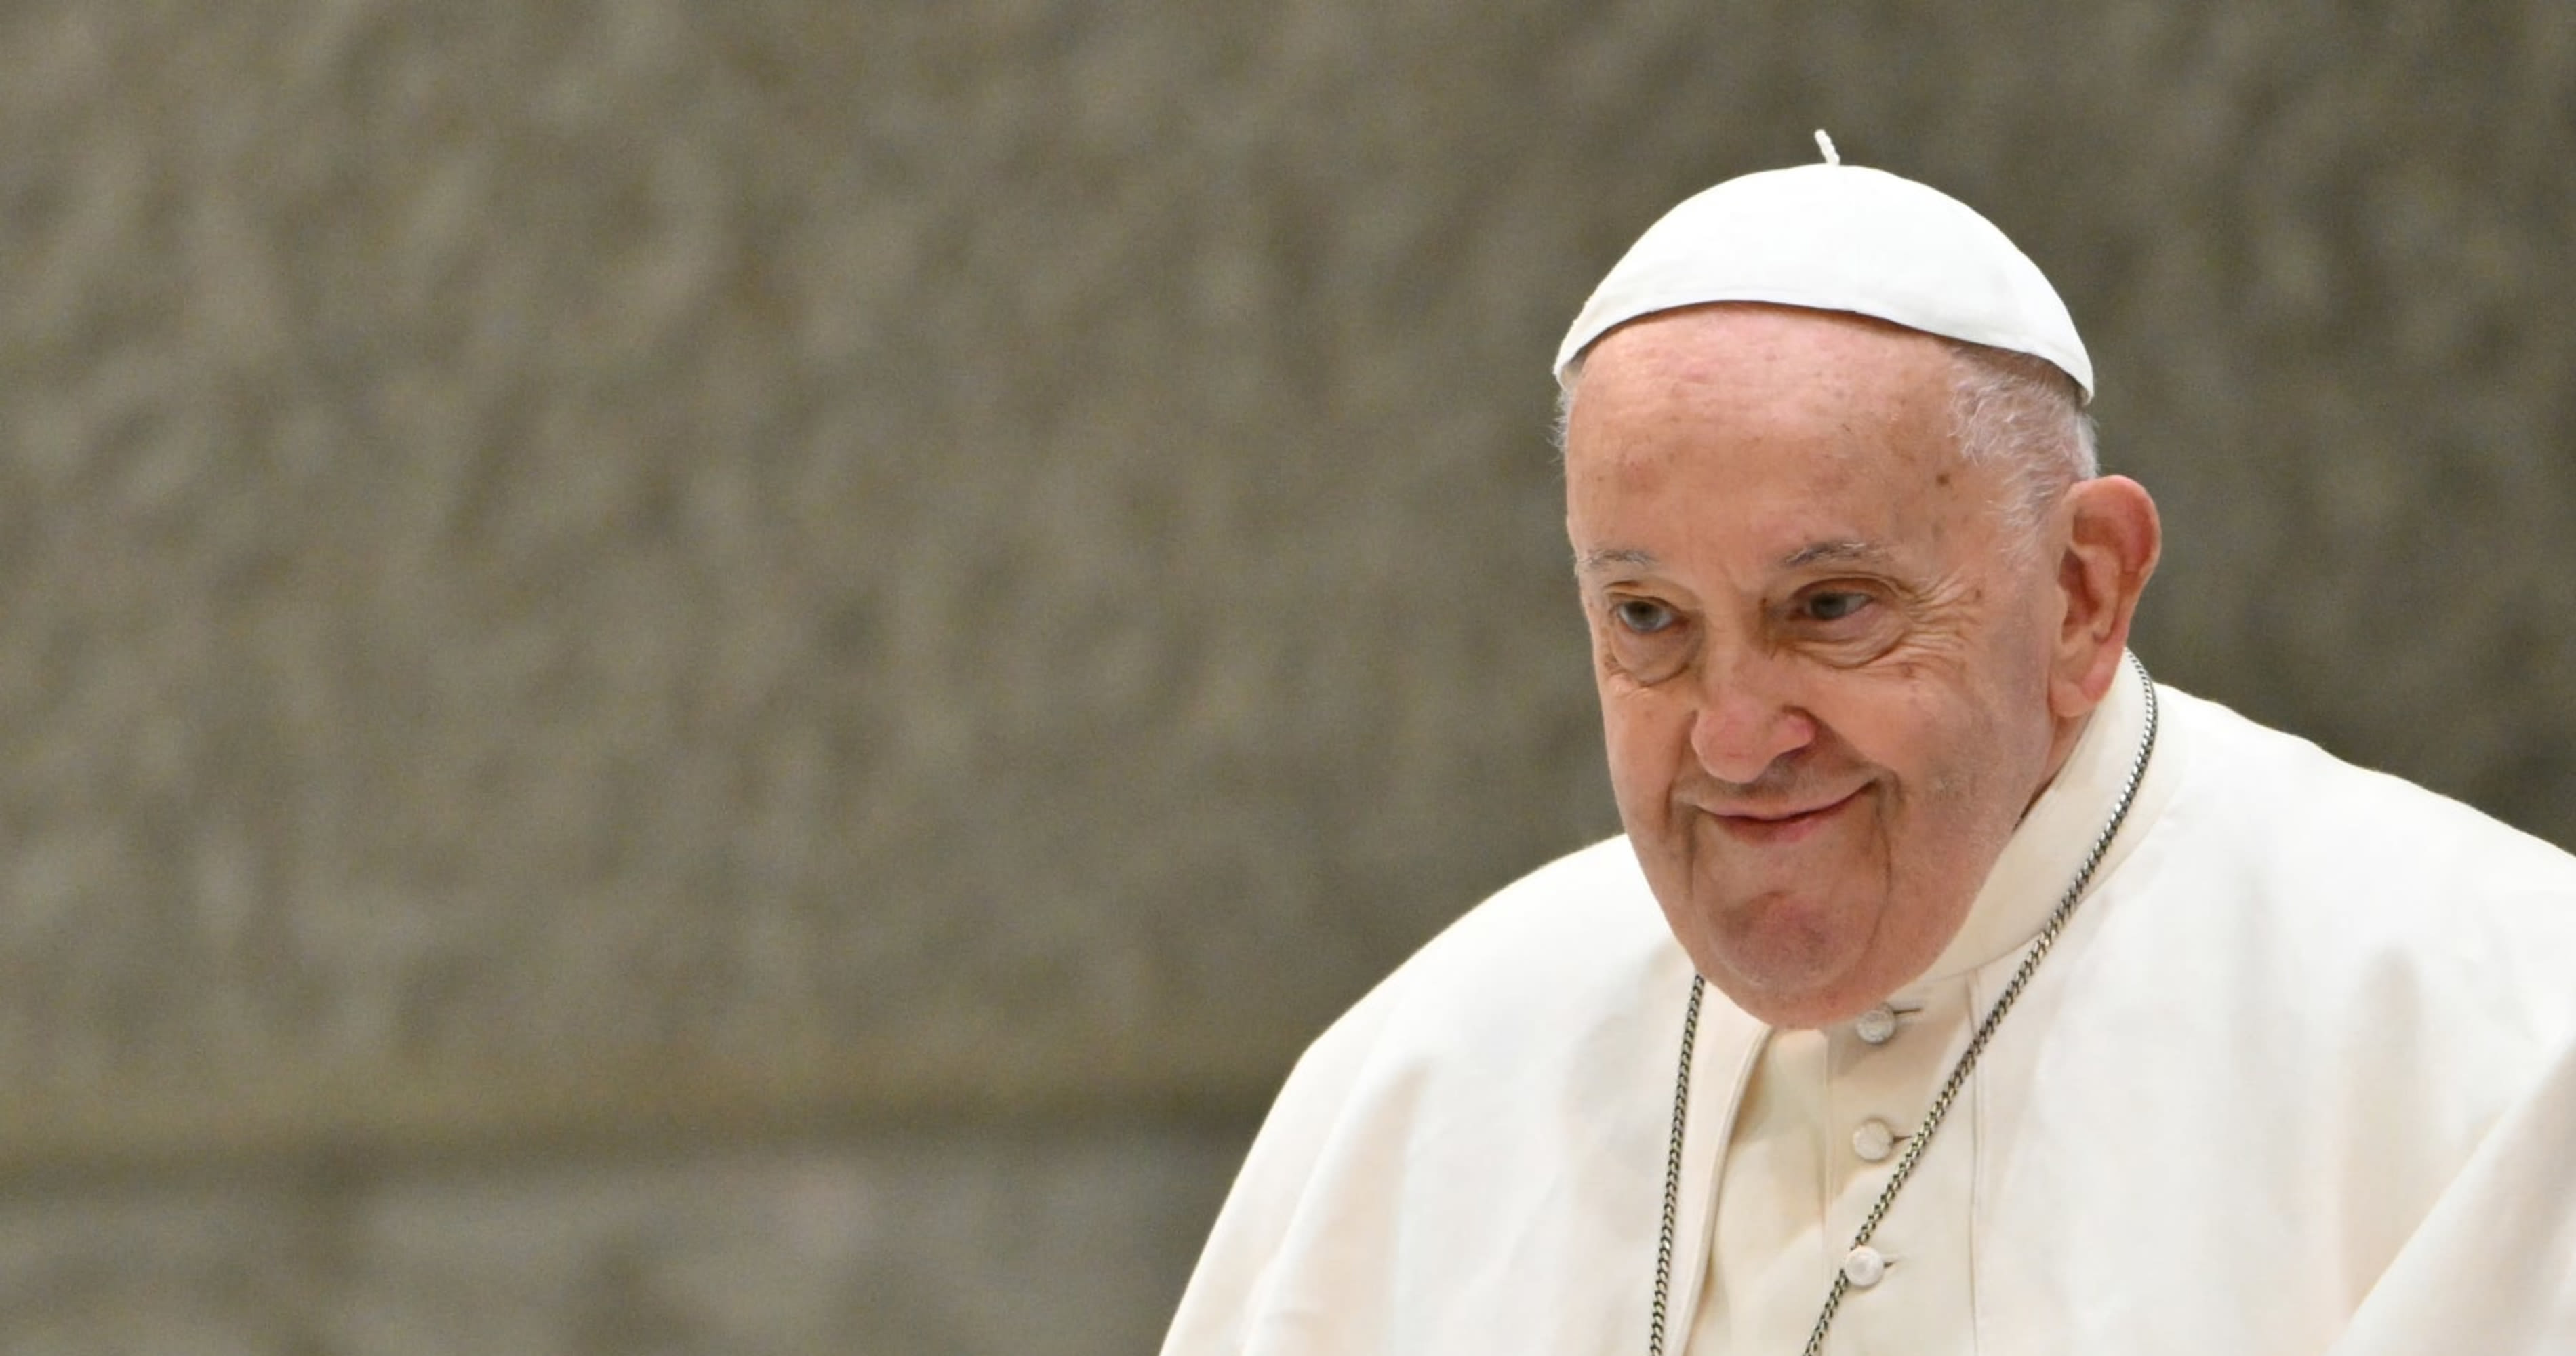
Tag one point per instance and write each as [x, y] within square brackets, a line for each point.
[1733, 370]
[1771, 435]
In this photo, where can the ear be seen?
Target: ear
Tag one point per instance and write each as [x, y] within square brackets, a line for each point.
[2112, 540]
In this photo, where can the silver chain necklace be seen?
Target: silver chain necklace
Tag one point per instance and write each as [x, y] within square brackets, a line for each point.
[1949, 1093]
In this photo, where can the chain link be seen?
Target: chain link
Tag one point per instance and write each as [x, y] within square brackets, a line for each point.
[1673, 1172]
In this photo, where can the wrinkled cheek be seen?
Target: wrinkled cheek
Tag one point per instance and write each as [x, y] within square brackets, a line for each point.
[1639, 781]
[1648, 819]
[1656, 828]
[1647, 737]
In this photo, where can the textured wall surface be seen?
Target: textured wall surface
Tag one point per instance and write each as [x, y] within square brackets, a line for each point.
[732, 678]
[1010, 1243]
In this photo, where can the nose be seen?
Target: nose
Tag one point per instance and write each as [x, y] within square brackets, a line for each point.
[1746, 722]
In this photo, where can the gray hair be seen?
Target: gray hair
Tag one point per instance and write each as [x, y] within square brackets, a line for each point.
[2021, 414]
[2006, 408]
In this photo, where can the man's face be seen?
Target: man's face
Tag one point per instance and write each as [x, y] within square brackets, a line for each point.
[1822, 651]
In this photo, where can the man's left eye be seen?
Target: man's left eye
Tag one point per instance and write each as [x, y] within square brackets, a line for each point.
[1834, 606]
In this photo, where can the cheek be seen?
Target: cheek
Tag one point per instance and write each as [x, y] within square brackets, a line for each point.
[1644, 735]
[1886, 722]
[1937, 748]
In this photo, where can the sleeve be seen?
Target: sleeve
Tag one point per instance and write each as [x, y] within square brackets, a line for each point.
[2492, 1269]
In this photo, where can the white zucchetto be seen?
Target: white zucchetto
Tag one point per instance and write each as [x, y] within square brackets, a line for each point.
[1836, 237]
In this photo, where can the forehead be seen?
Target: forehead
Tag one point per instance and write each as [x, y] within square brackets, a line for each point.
[1754, 370]
[1773, 428]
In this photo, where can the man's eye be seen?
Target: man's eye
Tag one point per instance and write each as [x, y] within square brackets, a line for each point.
[1834, 606]
[1642, 617]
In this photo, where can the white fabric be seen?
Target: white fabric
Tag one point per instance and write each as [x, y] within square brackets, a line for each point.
[1839, 238]
[2300, 1077]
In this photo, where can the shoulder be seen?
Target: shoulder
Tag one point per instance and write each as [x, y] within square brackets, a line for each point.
[1557, 949]
[2286, 871]
[2281, 800]
[1578, 916]
[1531, 1041]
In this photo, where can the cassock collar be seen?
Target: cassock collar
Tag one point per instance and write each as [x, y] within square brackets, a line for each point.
[2043, 854]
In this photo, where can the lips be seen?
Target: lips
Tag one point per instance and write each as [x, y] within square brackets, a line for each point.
[1770, 826]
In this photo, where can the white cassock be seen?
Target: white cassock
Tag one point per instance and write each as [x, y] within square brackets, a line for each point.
[2300, 1076]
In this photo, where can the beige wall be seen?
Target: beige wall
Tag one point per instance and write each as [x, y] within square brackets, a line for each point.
[731, 678]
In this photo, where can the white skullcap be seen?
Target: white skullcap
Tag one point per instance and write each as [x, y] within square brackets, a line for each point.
[1838, 237]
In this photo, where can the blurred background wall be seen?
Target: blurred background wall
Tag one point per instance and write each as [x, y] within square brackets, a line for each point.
[733, 678]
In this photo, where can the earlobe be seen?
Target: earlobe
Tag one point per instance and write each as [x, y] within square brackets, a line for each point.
[2113, 541]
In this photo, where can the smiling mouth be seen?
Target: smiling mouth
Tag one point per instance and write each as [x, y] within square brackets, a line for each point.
[1781, 827]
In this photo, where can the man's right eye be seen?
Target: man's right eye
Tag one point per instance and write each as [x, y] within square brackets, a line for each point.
[1642, 617]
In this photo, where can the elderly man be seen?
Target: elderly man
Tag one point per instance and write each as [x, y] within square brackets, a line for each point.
[1954, 988]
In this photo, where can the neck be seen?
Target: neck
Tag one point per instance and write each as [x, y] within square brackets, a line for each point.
[2067, 732]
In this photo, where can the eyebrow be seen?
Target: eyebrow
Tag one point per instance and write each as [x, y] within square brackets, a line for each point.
[1849, 552]
[1837, 553]
[1587, 562]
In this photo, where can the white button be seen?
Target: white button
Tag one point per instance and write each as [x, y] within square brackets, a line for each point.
[1874, 1140]
[1876, 1026]
[1863, 1267]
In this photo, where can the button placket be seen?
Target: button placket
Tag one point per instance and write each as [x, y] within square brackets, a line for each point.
[1889, 1066]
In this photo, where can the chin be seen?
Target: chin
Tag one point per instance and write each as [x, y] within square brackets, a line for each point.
[1784, 968]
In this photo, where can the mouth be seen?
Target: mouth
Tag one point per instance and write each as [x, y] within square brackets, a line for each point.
[1772, 827]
